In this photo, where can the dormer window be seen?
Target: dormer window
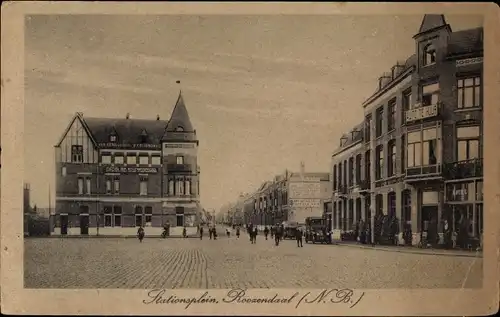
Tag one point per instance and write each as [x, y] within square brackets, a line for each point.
[179, 129]
[144, 136]
[112, 138]
[429, 56]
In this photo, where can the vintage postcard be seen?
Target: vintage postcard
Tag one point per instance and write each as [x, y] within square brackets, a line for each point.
[250, 158]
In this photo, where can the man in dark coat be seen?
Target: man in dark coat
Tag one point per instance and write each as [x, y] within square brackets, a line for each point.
[298, 236]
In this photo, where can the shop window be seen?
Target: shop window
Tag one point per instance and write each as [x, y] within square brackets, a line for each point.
[148, 215]
[108, 216]
[391, 203]
[406, 208]
[379, 204]
[139, 220]
[77, 153]
[351, 215]
[468, 143]
[469, 92]
[380, 162]
[117, 214]
[379, 119]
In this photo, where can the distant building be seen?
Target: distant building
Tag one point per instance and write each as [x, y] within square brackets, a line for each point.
[418, 155]
[116, 174]
[292, 196]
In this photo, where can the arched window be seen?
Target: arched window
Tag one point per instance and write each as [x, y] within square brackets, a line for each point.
[429, 56]
[179, 129]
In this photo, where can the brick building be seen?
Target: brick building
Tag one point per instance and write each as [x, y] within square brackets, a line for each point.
[113, 175]
[292, 196]
[418, 154]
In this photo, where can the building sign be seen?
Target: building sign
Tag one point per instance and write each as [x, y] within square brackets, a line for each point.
[179, 145]
[145, 170]
[305, 190]
[305, 203]
[468, 61]
[460, 191]
[139, 146]
[421, 113]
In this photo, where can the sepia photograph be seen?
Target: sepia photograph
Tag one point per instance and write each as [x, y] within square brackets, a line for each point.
[213, 158]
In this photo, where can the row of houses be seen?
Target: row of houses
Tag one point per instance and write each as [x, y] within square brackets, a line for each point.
[415, 158]
[290, 196]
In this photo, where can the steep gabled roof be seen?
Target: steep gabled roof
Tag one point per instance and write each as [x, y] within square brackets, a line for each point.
[466, 41]
[78, 116]
[179, 126]
[431, 22]
[128, 131]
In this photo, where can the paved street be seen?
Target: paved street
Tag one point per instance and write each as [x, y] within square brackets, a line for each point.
[231, 263]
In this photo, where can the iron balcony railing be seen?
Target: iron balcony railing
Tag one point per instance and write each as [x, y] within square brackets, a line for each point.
[364, 184]
[342, 190]
[464, 169]
[423, 171]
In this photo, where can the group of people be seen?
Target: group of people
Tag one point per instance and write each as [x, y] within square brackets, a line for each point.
[277, 232]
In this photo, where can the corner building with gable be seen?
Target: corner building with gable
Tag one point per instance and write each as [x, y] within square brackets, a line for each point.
[116, 174]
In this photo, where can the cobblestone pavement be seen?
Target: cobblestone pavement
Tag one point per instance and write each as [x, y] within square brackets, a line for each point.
[231, 263]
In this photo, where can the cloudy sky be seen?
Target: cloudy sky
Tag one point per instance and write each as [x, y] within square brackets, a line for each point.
[263, 92]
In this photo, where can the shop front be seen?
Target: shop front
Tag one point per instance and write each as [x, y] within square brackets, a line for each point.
[463, 211]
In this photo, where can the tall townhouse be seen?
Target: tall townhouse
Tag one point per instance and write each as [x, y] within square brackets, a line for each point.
[115, 174]
[421, 146]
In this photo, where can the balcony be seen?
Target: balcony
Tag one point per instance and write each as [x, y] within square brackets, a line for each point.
[423, 173]
[364, 186]
[421, 113]
[178, 168]
[464, 169]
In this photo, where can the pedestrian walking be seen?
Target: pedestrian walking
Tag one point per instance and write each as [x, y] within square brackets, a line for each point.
[210, 232]
[255, 232]
[298, 236]
[201, 233]
[140, 233]
[273, 229]
[237, 232]
[266, 232]
[228, 233]
[215, 233]
[277, 237]
[184, 232]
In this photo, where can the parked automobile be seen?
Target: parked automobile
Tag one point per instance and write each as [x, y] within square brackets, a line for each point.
[317, 231]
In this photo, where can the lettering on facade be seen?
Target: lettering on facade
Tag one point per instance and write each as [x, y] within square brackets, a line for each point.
[305, 203]
[304, 190]
[115, 169]
[109, 145]
[179, 145]
[468, 61]
[421, 113]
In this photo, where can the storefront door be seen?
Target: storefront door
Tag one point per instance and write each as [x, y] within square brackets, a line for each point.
[64, 224]
[84, 224]
[429, 223]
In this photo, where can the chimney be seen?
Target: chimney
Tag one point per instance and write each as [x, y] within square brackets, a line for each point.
[127, 116]
[157, 117]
